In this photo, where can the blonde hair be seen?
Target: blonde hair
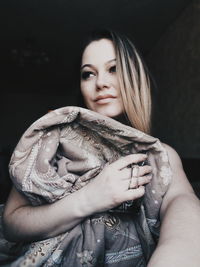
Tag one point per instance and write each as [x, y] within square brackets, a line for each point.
[134, 84]
[133, 79]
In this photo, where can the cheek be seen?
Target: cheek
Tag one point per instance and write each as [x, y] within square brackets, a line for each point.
[116, 83]
[83, 89]
[85, 94]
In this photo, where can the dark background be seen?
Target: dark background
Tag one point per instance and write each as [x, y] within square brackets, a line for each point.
[39, 48]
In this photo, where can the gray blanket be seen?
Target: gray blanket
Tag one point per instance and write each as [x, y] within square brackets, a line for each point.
[62, 152]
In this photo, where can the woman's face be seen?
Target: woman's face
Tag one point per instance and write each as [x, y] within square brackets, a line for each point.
[99, 81]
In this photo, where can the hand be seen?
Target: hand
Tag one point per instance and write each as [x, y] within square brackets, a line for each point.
[114, 185]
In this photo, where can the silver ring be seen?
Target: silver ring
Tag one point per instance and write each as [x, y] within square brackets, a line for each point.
[134, 175]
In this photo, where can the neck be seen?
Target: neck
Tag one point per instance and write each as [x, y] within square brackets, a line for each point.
[123, 119]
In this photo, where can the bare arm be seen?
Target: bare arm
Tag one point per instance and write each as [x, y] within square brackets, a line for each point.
[179, 243]
[23, 222]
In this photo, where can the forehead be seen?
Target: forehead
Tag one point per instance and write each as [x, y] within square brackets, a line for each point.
[99, 51]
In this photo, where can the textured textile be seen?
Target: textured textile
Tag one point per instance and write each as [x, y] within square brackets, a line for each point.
[62, 152]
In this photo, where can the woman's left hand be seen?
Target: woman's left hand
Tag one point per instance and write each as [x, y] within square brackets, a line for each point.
[121, 181]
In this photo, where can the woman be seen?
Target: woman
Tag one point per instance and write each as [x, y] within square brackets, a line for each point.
[114, 83]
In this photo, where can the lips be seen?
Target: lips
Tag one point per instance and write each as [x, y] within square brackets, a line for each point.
[104, 98]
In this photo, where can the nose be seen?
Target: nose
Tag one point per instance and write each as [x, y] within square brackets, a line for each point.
[102, 81]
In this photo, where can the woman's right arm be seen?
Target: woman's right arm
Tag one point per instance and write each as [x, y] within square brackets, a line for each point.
[23, 222]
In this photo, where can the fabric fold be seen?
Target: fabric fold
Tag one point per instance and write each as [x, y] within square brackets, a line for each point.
[62, 152]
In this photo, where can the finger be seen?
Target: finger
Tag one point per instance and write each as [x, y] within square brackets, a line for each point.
[144, 170]
[135, 182]
[125, 174]
[127, 160]
[132, 194]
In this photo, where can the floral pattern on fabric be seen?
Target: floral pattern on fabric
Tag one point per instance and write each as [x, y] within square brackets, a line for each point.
[62, 152]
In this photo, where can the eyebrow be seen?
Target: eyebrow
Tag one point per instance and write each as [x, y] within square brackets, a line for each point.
[90, 65]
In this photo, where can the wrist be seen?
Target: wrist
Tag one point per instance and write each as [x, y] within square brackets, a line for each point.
[83, 204]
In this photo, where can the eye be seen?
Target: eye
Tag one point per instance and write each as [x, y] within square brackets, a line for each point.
[86, 75]
[112, 69]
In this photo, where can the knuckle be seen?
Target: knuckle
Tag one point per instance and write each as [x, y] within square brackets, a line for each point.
[149, 176]
[145, 179]
[145, 169]
[130, 158]
[140, 191]
[149, 168]
[141, 156]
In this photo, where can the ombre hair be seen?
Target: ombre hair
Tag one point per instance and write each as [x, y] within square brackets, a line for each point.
[133, 79]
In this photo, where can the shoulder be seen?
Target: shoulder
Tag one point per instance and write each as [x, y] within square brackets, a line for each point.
[178, 174]
[174, 158]
[179, 184]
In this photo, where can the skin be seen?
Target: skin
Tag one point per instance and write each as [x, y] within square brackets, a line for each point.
[179, 242]
[109, 189]
[180, 209]
[99, 82]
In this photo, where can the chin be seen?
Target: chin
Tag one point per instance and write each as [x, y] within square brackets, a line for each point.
[111, 112]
